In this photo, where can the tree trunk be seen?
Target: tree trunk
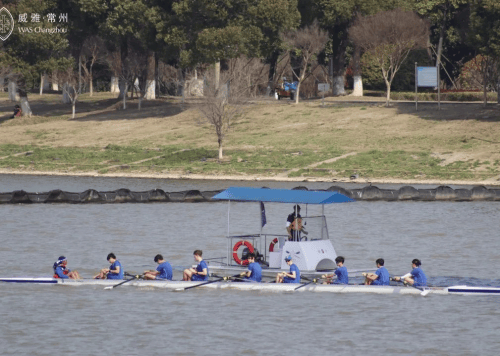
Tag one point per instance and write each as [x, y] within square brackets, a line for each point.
[55, 83]
[358, 81]
[91, 82]
[2, 84]
[25, 105]
[115, 88]
[217, 74]
[65, 98]
[337, 63]
[429, 49]
[498, 91]
[220, 149]
[272, 72]
[13, 93]
[388, 93]
[42, 82]
[73, 104]
[150, 81]
[441, 35]
[136, 88]
[339, 36]
[301, 79]
[125, 86]
[80, 73]
[485, 92]
[46, 85]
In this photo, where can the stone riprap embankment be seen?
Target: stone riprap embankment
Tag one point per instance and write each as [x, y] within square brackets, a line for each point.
[368, 193]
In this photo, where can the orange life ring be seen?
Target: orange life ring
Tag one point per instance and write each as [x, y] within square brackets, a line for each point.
[271, 245]
[235, 251]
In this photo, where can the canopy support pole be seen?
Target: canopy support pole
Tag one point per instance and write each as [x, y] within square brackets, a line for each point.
[229, 241]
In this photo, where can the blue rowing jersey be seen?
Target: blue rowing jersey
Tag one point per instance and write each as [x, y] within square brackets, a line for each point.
[293, 268]
[419, 277]
[112, 275]
[256, 270]
[165, 270]
[201, 266]
[342, 277]
[61, 272]
[383, 277]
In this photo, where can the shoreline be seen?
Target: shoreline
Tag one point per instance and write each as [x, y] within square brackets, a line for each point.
[253, 177]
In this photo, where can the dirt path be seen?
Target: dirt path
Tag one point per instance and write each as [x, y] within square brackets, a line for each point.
[314, 165]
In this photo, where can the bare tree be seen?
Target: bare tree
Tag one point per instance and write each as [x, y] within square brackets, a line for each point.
[390, 36]
[129, 70]
[305, 43]
[222, 104]
[93, 52]
[480, 72]
[168, 77]
[70, 87]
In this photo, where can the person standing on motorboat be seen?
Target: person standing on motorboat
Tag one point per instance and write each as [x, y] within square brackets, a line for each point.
[340, 272]
[61, 271]
[163, 271]
[254, 272]
[114, 271]
[416, 277]
[380, 277]
[200, 273]
[294, 225]
[289, 277]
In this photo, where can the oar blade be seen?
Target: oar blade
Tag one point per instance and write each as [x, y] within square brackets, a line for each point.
[425, 292]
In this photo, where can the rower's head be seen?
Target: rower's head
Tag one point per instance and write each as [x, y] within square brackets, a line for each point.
[416, 263]
[288, 259]
[251, 257]
[380, 262]
[61, 261]
[339, 260]
[197, 255]
[111, 257]
[296, 208]
[158, 258]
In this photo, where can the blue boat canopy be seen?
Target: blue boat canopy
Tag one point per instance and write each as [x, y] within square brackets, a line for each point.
[282, 196]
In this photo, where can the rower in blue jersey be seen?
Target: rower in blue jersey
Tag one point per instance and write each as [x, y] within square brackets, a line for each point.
[200, 273]
[380, 277]
[293, 276]
[416, 277]
[163, 271]
[254, 272]
[115, 270]
[62, 271]
[340, 272]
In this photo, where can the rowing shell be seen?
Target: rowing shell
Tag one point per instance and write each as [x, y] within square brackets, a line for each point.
[266, 287]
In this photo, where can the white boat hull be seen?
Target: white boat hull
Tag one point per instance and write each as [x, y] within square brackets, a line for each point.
[266, 287]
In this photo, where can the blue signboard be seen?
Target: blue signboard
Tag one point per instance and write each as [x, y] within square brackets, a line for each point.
[427, 77]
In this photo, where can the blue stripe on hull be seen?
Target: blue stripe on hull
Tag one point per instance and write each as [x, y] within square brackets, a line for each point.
[27, 281]
[473, 291]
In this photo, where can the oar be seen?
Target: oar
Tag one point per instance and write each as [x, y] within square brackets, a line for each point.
[126, 281]
[204, 283]
[305, 284]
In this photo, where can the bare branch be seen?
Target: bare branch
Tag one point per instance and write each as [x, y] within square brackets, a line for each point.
[390, 36]
[220, 106]
[305, 43]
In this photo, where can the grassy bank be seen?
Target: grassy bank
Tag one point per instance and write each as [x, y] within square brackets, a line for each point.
[274, 139]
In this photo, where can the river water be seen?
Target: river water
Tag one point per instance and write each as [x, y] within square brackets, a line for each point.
[457, 242]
